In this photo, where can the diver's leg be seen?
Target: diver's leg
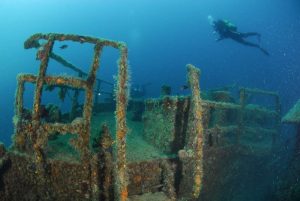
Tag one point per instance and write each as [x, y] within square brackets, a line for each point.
[245, 35]
[242, 41]
[264, 51]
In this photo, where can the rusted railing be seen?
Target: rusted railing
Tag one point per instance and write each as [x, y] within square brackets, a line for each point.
[31, 135]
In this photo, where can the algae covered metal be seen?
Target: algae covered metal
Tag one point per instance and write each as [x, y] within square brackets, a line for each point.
[31, 135]
[179, 147]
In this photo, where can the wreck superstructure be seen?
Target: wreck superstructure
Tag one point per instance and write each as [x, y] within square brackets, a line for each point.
[177, 151]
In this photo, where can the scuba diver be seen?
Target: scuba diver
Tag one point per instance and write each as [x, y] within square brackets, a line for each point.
[226, 29]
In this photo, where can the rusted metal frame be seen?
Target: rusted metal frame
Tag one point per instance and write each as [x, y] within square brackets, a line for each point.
[20, 135]
[32, 42]
[195, 141]
[221, 130]
[19, 96]
[55, 80]
[121, 96]
[220, 105]
[81, 74]
[22, 127]
[71, 82]
[63, 129]
[121, 127]
[74, 128]
[65, 63]
[87, 109]
[259, 91]
[37, 134]
[48, 128]
[260, 130]
[27, 77]
[47, 48]
[106, 142]
[267, 93]
[90, 162]
[277, 110]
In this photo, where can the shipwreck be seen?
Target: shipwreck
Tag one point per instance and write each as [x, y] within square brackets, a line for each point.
[195, 147]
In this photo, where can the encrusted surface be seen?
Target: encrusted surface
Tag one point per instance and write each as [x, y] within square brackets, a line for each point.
[98, 166]
[65, 180]
[165, 123]
[32, 133]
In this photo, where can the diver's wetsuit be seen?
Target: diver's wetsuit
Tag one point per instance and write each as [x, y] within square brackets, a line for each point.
[227, 30]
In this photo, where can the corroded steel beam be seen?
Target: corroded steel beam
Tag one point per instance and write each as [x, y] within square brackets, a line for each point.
[121, 128]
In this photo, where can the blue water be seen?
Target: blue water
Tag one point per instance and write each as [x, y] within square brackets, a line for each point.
[162, 37]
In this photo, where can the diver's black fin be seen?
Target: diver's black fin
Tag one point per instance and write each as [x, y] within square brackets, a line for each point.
[264, 51]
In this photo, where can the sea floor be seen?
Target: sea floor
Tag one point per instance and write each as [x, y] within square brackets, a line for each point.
[136, 146]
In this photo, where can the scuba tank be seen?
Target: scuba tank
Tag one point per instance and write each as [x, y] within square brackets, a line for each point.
[210, 20]
[230, 25]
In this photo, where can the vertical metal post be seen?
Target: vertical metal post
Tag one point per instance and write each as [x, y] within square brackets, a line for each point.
[19, 138]
[195, 141]
[44, 57]
[19, 100]
[87, 113]
[87, 110]
[38, 135]
[121, 128]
